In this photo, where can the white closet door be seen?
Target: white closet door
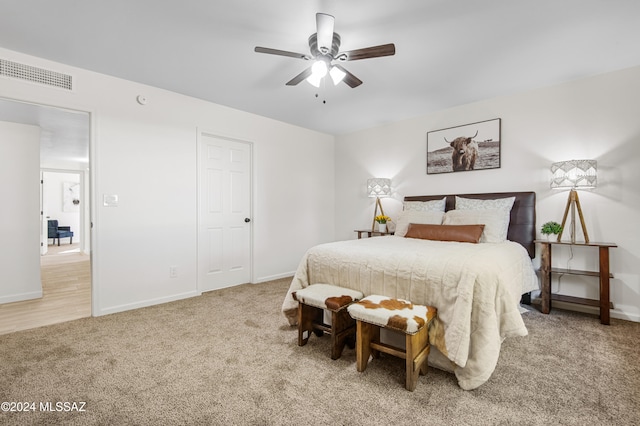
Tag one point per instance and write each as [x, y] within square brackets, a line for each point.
[224, 223]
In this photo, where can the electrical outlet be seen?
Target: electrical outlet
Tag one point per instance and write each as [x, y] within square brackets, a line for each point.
[173, 272]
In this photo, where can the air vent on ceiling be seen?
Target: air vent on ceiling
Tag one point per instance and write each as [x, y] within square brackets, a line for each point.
[35, 75]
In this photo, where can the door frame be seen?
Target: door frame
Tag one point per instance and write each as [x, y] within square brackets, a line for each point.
[44, 248]
[84, 247]
[90, 186]
[199, 133]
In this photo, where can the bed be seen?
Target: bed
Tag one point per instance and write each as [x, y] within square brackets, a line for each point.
[476, 287]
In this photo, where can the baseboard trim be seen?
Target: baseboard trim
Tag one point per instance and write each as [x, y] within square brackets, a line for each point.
[21, 297]
[274, 277]
[144, 303]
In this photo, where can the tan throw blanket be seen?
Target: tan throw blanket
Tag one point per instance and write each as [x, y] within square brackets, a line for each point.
[475, 287]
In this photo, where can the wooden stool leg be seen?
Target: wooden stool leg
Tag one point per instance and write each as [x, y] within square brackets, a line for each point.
[417, 351]
[307, 315]
[374, 337]
[304, 324]
[342, 329]
[420, 362]
[364, 333]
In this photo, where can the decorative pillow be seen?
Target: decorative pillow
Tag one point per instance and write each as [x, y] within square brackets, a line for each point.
[459, 233]
[496, 222]
[437, 205]
[475, 204]
[412, 216]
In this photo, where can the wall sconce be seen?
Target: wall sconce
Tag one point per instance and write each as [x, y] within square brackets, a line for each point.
[574, 174]
[378, 187]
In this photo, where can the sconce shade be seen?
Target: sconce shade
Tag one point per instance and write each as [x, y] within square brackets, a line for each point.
[574, 174]
[378, 187]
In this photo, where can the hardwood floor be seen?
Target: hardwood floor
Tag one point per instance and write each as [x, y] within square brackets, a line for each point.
[66, 292]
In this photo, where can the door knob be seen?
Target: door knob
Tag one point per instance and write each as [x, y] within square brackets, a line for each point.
[247, 220]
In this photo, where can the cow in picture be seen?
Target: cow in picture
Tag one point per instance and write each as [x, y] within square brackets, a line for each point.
[465, 153]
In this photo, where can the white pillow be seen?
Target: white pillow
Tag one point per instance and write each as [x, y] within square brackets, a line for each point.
[495, 221]
[437, 205]
[429, 217]
[475, 204]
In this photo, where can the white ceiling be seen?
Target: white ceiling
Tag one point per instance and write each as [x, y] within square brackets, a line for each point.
[448, 52]
[64, 134]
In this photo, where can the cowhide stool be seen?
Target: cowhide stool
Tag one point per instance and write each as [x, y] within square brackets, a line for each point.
[401, 316]
[312, 301]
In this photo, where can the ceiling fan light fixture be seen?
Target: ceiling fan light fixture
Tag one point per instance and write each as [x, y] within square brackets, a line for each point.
[336, 75]
[318, 72]
[314, 80]
[319, 69]
[324, 46]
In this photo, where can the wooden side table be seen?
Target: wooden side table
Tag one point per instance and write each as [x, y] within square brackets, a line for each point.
[603, 274]
[371, 233]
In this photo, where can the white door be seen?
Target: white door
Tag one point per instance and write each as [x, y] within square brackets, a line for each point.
[224, 213]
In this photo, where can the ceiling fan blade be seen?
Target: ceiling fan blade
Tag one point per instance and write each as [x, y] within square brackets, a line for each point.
[324, 26]
[300, 77]
[281, 52]
[370, 52]
[349, 79]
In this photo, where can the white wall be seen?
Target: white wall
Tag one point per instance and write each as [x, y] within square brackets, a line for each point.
[593, 118]
[20, 212]
[147, 156]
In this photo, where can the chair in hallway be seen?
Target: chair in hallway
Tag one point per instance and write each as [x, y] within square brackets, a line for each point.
[58, 232]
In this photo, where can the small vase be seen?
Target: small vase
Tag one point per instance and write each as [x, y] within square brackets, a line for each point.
[382, 227]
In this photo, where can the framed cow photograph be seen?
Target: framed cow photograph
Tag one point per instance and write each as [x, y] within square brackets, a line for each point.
[474, 146]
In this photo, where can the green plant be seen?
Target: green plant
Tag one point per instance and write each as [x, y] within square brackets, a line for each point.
[551, 228]
[382, 218]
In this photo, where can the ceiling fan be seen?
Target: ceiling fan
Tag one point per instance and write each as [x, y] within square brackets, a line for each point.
[324, 46]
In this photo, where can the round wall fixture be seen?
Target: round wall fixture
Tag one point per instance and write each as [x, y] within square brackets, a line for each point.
[141, 100]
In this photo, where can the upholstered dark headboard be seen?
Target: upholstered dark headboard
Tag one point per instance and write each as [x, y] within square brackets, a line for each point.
[522, 226]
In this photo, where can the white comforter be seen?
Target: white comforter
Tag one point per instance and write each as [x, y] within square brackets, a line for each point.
[475, 287]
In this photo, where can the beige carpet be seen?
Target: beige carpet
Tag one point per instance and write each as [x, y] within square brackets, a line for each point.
[229, 357]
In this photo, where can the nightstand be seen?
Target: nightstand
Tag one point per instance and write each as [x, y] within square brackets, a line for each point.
[603, 274]
[371, 233]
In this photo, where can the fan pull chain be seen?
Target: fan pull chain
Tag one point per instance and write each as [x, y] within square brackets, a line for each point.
[324, 101]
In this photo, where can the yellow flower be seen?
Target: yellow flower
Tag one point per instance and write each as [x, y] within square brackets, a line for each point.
[382, 218]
